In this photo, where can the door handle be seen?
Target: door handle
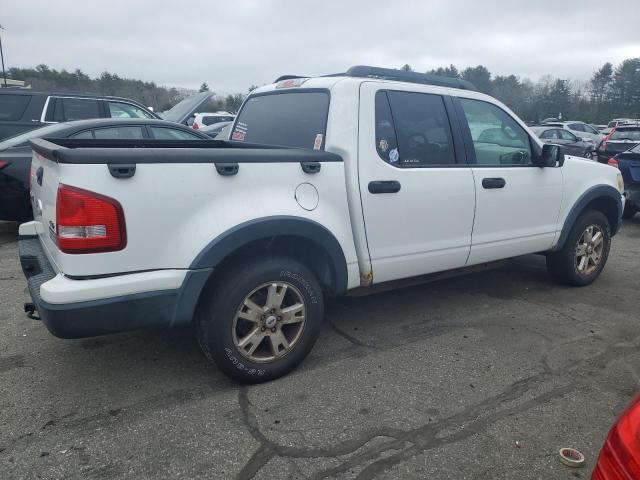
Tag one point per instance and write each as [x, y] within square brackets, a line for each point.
[493, 182]
[384, 186]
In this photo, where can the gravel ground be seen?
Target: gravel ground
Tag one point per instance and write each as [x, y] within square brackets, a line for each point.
[484, 376]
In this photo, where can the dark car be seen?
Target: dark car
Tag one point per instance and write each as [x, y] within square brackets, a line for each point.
[15, 152]
[622, 138]
[629, 164]
[559, 136]
[22, 110]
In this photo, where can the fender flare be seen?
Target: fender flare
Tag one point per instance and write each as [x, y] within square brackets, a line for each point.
[591, 194]
[262, 228]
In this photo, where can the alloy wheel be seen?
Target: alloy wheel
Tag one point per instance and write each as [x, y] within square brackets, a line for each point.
[589, 250]
[269, 322]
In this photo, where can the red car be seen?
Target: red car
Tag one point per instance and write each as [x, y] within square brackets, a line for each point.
[620, 455]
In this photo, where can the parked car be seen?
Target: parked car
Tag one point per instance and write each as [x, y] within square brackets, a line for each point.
[617, 122]
[581, 129]
[619, 458]
[201, 120]
[572, 144]
[621, 138]
[330, 184]
[598, 128]
[15, 152]
[22, 110]
[629, 165]
[214, 129]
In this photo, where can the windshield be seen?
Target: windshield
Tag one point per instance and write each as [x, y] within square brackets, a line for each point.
[626, 134]
[291, 119]
[35, 133]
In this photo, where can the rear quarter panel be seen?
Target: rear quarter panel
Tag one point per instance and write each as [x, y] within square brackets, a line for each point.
[173, 211]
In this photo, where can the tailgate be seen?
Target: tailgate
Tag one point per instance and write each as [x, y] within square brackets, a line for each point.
[45, 176]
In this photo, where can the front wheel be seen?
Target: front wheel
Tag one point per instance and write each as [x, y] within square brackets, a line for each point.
[585, 251]
[261, 319]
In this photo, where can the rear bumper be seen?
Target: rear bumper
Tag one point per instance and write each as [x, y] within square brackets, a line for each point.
[157, 307]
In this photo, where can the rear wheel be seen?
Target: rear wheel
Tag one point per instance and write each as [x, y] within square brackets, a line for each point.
[585, 251]
[261, 319]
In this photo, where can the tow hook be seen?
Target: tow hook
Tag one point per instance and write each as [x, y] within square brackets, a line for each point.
[30, 310]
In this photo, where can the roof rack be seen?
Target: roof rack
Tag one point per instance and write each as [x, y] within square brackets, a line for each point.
[363, 71]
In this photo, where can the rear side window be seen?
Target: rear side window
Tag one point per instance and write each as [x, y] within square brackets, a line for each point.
[126, 110]
[120, 133]
[626, 134]
[13, 106]
[78, 109]
[85, 134]
[164, 133]
[547, 134]
[421, 127]
[291, 119]
[577, 127]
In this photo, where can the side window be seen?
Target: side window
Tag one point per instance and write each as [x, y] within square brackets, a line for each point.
[120, 133]
[578, 127]
[13, 106]
[589, 129]
[85, 134]
[547, 134]
[126, 110]
[566, 135]
[164, 133]
[78, 109]
[422, 131]
[497, 138]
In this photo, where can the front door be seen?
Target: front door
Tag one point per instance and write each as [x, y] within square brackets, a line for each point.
[417, 191]
[517, 203]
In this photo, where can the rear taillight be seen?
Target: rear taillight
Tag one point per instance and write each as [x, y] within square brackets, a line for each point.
[620, 456]
[195, 126]
[87, 222]
[613, 162]
[3, 164]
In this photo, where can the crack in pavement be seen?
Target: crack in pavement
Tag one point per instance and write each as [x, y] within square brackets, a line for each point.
[409, 443]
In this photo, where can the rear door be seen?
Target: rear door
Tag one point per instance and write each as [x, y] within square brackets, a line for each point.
[416, 189]
[517, 203]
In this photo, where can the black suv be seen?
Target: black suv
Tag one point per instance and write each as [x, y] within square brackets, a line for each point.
[22, 110]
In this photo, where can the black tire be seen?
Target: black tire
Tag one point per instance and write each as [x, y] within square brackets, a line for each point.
[224, 298]
[629, 211]
[563, 266]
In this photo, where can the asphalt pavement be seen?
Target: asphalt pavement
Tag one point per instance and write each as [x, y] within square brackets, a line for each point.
[484, 376]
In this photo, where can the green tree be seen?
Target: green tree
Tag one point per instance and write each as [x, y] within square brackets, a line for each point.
[406, 68]
[600, 82]
[479, 76]
[450, 71]
[204, 87]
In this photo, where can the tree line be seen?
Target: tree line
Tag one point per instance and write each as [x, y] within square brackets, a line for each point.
[150, 94]
[611, 91]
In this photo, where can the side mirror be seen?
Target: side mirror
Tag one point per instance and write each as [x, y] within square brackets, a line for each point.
[551, 156]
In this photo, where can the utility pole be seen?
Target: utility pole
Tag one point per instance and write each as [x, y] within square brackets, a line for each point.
[4, 73]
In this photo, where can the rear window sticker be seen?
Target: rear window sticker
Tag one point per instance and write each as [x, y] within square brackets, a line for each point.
[238, 136]
[393, 155]
[239, 132]
[318, 141]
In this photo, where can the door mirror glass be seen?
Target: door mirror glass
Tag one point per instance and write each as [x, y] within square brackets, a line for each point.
[551, 156]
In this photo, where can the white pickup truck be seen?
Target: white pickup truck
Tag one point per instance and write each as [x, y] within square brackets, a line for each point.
[326, 184]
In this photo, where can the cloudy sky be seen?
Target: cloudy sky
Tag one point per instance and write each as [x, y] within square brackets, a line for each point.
[233, 44]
